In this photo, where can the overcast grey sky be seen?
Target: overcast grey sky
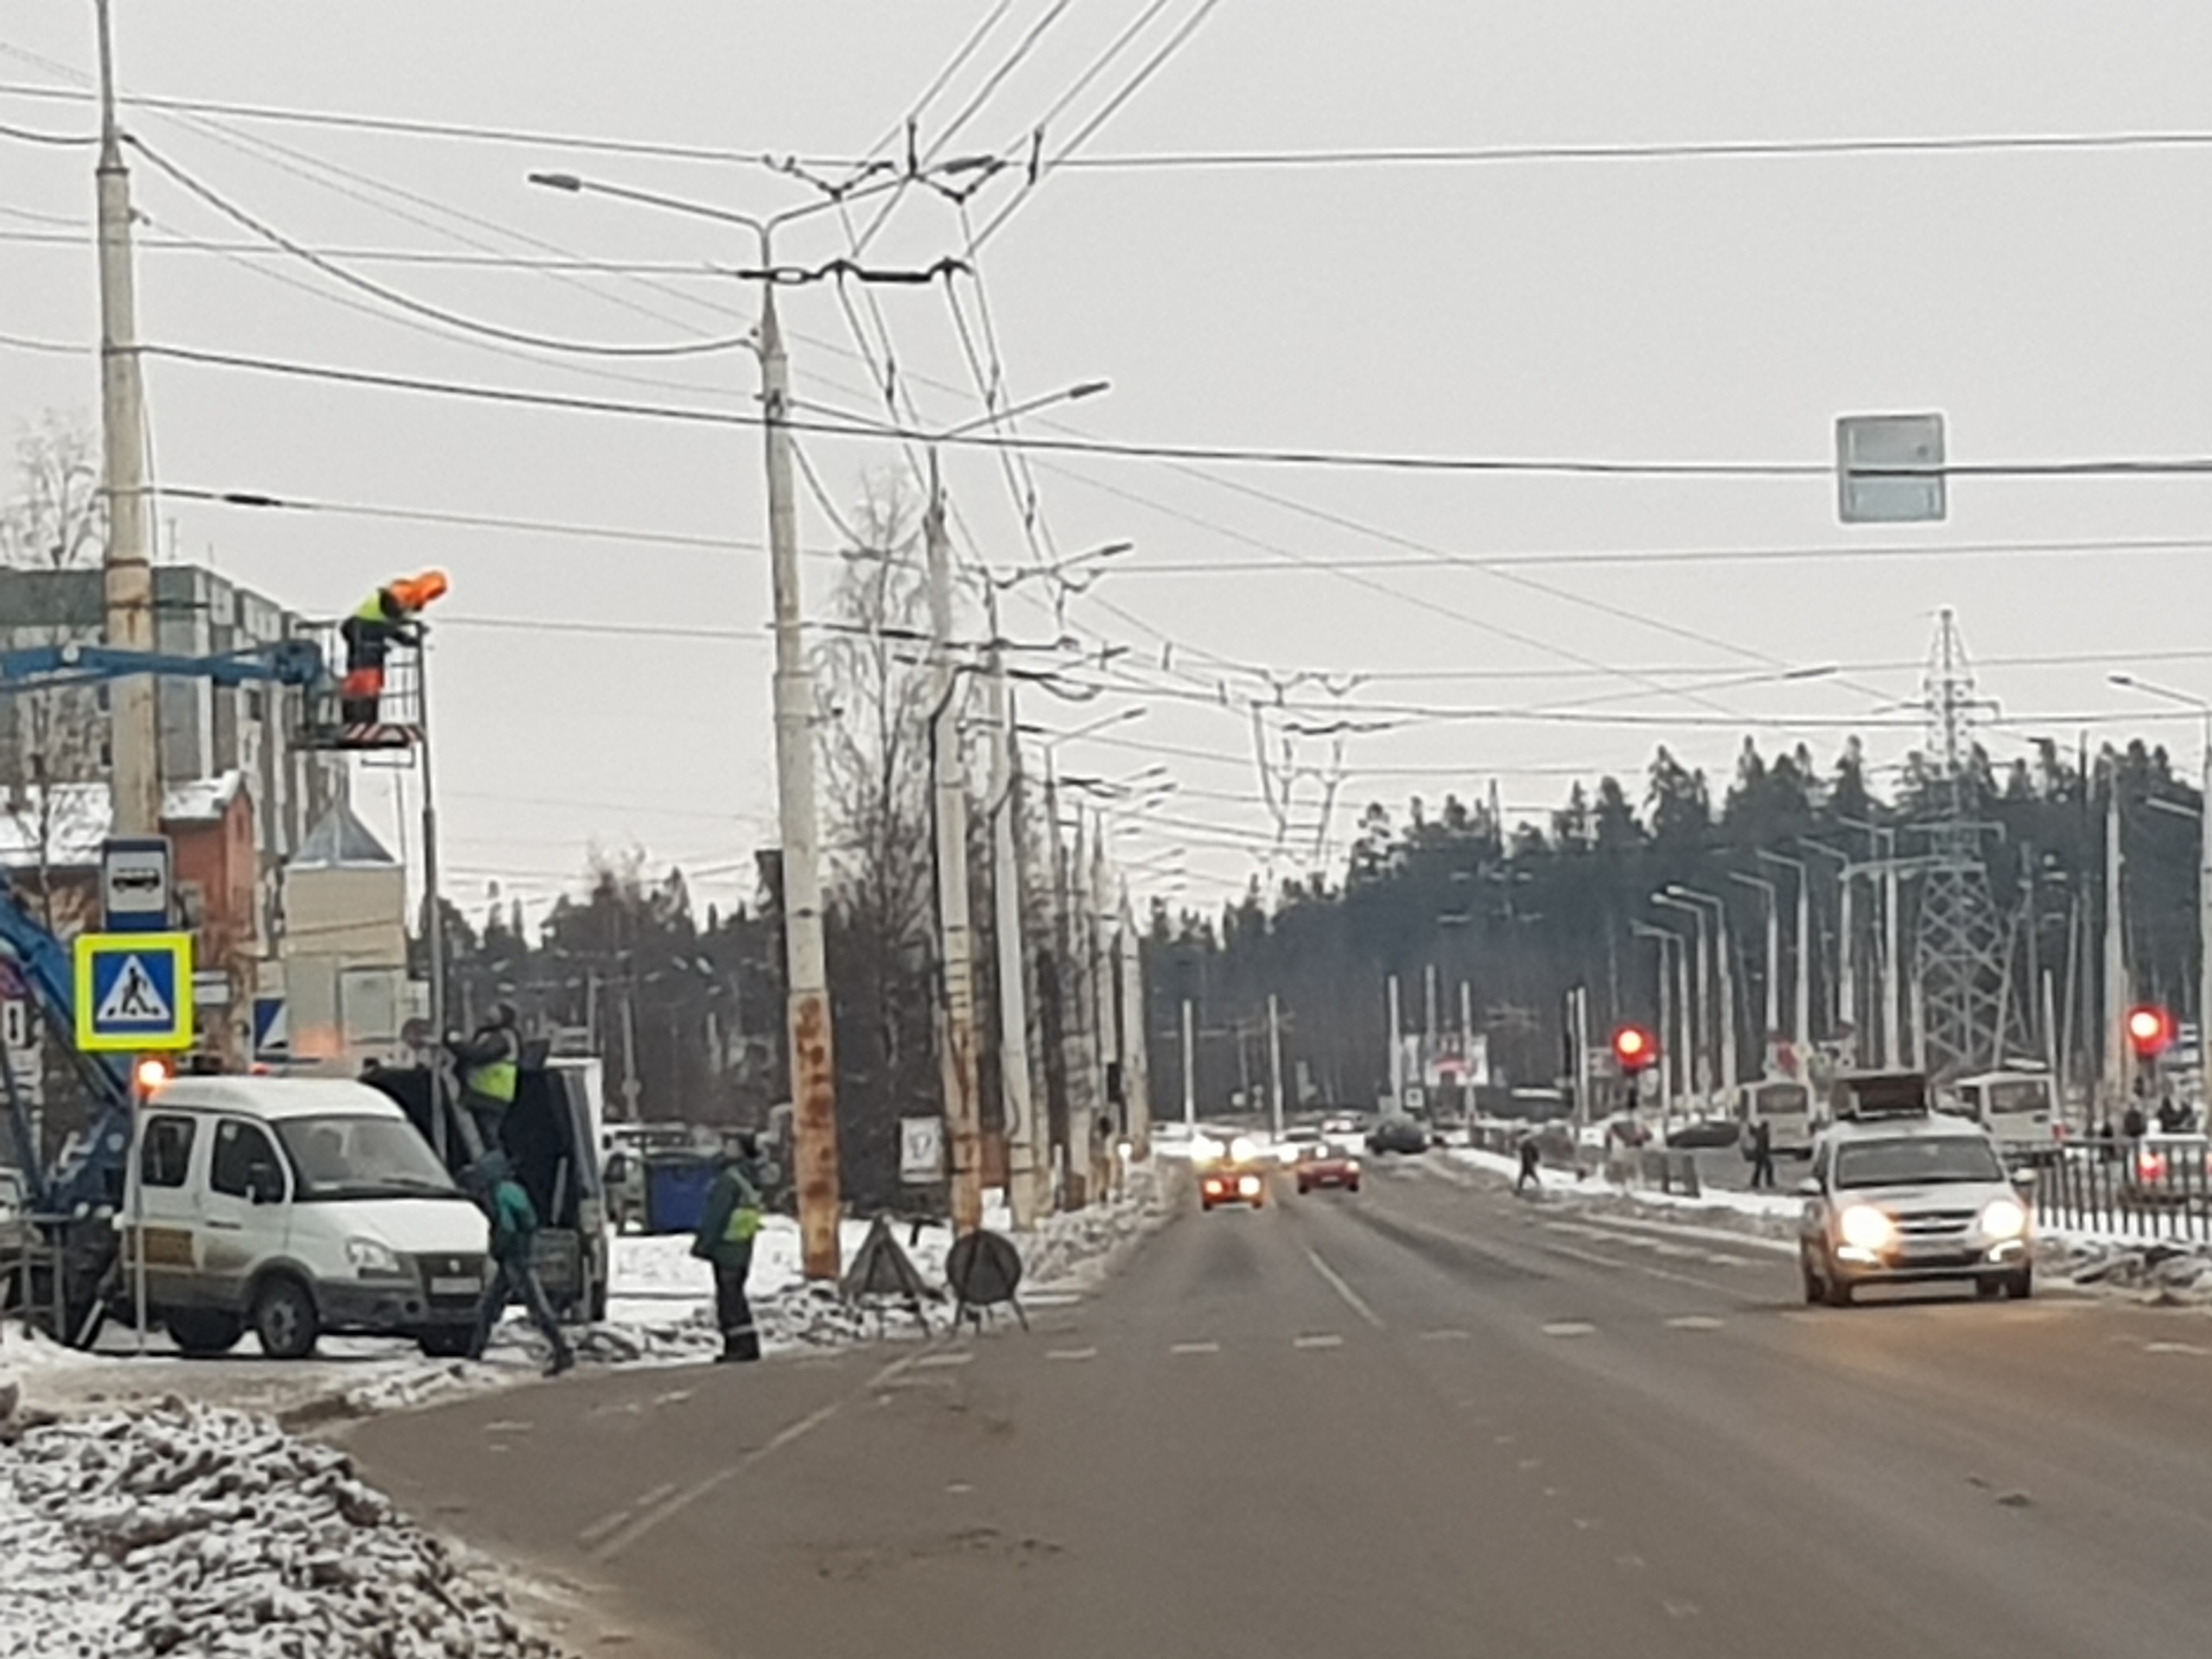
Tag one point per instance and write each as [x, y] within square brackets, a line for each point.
[2051, 303]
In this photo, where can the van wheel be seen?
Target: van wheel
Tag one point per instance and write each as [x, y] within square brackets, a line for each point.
[1835, 1289]
[1812, 1280]
[2022, 1285]
[203, 1334]
[285, 1320]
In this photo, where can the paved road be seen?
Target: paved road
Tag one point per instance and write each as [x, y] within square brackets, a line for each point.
[1426, 1420]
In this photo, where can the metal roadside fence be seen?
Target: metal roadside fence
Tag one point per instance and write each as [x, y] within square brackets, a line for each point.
[2159, 1187]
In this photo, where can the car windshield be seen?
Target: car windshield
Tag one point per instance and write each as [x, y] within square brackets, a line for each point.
[1920, 1161]
[361, 1156]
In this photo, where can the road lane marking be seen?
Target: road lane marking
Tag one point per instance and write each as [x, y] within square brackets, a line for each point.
[598, 1528]
[1195, 1348]
[2175, 1348]
[1570, 1328]
[1695, 1322]
[1071, 1353]
[936, 1360]
[1352, 1298]
[1445, 1336]
[1589, 1258]
[647, 1500]
[668, 1508]
[1322, 1341]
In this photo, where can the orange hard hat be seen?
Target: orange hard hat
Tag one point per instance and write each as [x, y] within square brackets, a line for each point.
[416, 592]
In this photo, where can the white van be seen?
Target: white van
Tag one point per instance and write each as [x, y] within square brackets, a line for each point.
[295, 1206]
[2017, 1107]
[1786, 1108]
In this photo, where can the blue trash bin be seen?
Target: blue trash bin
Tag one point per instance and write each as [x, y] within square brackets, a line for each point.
[675, 1192]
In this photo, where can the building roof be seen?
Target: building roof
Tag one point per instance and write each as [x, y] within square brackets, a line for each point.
[339, 840]
[76, 818]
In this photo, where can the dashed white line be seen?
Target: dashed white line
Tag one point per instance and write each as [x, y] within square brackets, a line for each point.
[1570, 1328]
[1324, 1340]
[1695, 1322]
[937, 1360]
[1352, 1298]
[1195, 1348]
[1445, 1336]
[1071, 1353]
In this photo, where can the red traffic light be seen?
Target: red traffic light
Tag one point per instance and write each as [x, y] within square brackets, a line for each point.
[2150, 1030]
[1636, 1048]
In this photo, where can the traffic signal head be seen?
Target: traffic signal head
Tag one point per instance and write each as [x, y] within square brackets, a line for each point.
[2150, 1030]
[1636, 1049]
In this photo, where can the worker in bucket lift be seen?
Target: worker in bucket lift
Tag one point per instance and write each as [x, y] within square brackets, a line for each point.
[390, 616]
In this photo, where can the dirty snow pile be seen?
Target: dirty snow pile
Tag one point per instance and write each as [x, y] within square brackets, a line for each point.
[2172, 1272]
[193, 1530]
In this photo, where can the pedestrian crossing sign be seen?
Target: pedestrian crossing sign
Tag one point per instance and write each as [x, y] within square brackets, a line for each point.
[134, 992]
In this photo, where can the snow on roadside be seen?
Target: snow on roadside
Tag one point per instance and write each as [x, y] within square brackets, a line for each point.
[2171, 1272]
[196, 1531]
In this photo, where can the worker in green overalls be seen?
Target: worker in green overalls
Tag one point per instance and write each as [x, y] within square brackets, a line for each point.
[491, 1067]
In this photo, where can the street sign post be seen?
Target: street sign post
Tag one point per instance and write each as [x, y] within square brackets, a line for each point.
[134, 992]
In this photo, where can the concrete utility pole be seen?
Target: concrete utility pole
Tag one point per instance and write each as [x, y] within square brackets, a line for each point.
[1077, 1062]
[135, 768]
[1467, 1049]
[1136, 1054]
[2116, 991]
[964, 1118]
[1026, 1192]
[1892, 960]
[1105, 1029]
[813, 1057]
[1773, 958]
[1801, 1013]
[1398, 1055]
[2203, 863]
[1275, 1064]
[1190, 1066]
[1702, 1024]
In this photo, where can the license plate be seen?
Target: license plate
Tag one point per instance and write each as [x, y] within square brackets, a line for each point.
[456, 1285]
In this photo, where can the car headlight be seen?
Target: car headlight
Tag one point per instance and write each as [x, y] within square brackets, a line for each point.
[1206, 1148]
[1865, 1228]
[2004, 1218]
[372, 1256]
[1241, 1149]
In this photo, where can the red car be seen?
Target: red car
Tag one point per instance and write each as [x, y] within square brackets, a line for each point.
[1325, 1166]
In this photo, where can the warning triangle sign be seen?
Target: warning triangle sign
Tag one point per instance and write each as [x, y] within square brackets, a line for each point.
[134, 999]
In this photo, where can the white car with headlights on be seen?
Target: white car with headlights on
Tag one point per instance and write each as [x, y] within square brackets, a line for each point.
[1898, 1194]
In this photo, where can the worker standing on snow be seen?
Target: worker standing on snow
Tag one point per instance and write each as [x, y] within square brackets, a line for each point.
[390, 616]
[727, 1229]
[514, 1275]
[491, 1067]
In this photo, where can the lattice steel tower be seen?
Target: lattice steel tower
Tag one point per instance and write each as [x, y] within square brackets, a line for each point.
[1965, 1007]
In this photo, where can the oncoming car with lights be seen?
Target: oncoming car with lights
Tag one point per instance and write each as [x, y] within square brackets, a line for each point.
[1899, 1194]
[1229, 1170]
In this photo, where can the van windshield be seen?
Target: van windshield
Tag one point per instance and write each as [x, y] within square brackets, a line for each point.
[1783, 1100]
[1922, 1160]
[357, 1156]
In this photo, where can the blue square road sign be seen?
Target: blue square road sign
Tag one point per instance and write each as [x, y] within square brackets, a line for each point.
[134, 992]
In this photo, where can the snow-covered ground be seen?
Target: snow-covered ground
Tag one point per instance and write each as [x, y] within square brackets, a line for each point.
[206, 1533]
[157, 1505]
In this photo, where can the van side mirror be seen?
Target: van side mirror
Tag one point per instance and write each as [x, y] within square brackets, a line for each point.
[1808, 1188]
[265, 1186]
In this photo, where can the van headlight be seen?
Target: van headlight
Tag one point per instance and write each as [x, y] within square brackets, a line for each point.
[372, 1257]
[2004, 1218]
[1865, 1228]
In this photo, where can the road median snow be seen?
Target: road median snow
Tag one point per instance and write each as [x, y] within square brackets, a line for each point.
[194, 1530]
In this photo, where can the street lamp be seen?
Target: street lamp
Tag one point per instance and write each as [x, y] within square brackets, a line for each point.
[1703, 1043]
[1773, 955]
[1800, 1035]
[2203, 855]
[1725, 975]
[1673, 1015]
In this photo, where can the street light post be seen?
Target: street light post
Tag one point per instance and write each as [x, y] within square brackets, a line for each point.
[1801, 1031]
[2203, 864]
[1725, 978]
[1702, 1044]
[1773, 958]
[809, 1031]
[1673, 1015]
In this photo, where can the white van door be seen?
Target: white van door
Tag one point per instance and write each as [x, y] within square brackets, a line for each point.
[246, 1206]
[172, 1162]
